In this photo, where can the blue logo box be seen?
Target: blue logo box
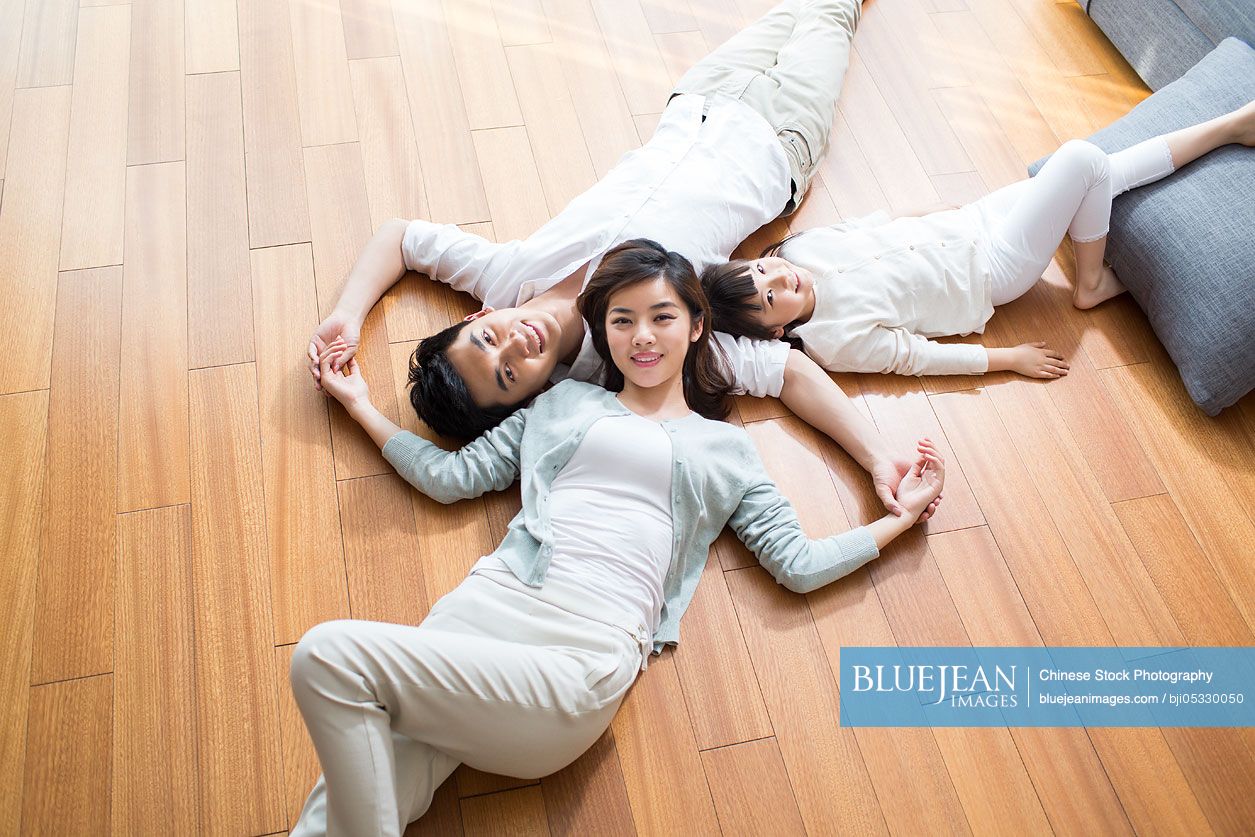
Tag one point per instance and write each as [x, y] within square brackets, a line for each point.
[1047, 687]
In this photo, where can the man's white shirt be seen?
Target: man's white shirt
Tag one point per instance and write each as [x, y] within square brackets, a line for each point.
[698, 187]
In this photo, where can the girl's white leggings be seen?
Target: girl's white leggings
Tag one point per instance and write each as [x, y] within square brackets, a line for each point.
[1026, 221]
[493, 677]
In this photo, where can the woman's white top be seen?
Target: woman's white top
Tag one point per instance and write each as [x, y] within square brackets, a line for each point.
[612, 528]
[883, 287]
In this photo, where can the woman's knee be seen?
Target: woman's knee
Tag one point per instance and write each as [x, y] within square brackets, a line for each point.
[326, 644]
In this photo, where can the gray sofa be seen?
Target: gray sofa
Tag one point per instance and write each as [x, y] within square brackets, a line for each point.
[1185, 246]
[1164, 38]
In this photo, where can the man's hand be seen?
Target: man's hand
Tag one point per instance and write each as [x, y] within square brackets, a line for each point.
[337, 326]
[347, 384]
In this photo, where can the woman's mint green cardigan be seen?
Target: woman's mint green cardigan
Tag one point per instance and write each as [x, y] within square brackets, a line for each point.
[717, 478]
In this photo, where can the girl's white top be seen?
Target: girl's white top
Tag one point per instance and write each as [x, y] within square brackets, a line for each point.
[883, 287]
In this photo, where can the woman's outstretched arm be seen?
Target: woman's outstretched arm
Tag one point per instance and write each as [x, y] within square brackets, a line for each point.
[489, 463]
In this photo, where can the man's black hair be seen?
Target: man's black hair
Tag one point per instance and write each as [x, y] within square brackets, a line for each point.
[440, 396]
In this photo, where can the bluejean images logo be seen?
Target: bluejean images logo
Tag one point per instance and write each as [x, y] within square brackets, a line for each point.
[1055, 686]
[961, 685]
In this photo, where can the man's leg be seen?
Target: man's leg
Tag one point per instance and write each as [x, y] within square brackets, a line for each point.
[746, 54]
[798, 93]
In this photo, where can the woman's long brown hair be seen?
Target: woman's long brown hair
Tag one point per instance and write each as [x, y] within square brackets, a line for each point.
[707, 383]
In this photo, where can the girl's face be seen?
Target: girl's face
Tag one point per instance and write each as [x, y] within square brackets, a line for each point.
[785, 291]
[648, 330]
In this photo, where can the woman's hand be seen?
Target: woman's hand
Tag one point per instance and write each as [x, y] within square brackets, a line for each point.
[337, 326]
[1037, 361]
[922, 485]
[347, 384]
[887, 474]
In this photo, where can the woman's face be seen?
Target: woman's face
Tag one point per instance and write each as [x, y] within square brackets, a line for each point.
[649, 330]
[784, 290]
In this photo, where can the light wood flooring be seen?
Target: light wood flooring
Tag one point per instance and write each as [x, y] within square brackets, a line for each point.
[185, 184]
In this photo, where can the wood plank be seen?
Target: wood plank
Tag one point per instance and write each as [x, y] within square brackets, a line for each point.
[847, 174]
[599, 102]
[553, 126]
[300, 761]
[1064, 37]
[74, 606]
[368, 28]
[488, 92]
[680, 51]
[645, 80]
[889, 151]
[715, 669]
[381, 550]
[1067, 773]
[277, 208]
[23, 504]
[154, 785]
[213, 36]
[917, 31]
[67, 768]
[828, 771]
[511, 183]
[307, 578]
[219, 288]
[1101, 431]
[1011, 106]
[341, 224]
[472, 782]
[895, 760]
[718, 20]
[324, 94]
[902, 80]
[1199, 466]
[155, 125]
[11, 12]
[30, 233]
[995, 158]
[455, 193]
[751, 789]
[239, 739]
[1189, 584]
[1034, 68]
[521, 22]
[95, 179]
[589, 796]
[517, 812]
[658, 754]
[817, 208]
[667, 16]
[443, 817]
[48, 37]
[394, 178]
[152, 432]
[1060, 603]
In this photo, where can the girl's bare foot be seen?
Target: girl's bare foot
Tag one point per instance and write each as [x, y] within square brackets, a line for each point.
[1089, 294]
[1244, 127]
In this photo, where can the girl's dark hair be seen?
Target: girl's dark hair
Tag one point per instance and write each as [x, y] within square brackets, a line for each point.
[707, 383]
[734, 297]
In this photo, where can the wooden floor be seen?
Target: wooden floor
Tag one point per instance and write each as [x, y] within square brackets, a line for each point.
[185, 184]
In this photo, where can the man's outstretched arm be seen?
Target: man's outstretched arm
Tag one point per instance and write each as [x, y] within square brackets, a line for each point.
[817, 400]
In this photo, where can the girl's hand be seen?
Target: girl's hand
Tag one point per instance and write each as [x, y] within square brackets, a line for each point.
[337, 327]
[1037, 361]
[348, 385]
[921, 487]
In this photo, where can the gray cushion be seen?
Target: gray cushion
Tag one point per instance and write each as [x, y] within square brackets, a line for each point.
[1185, 246]
[1156, 36]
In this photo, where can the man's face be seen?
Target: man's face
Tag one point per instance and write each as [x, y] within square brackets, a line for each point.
[506, 356]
